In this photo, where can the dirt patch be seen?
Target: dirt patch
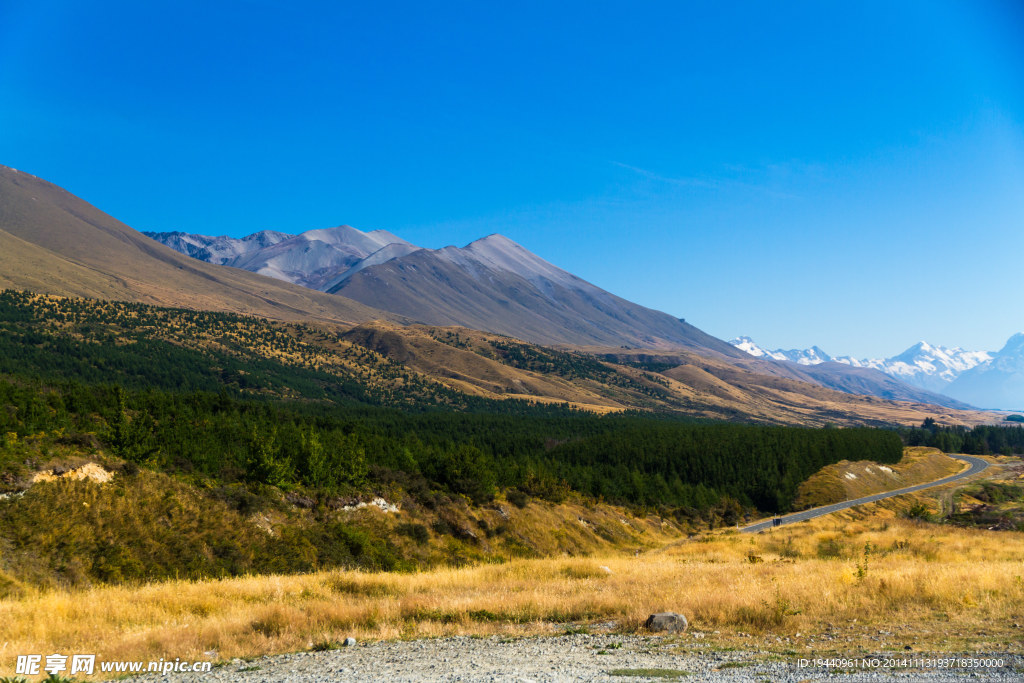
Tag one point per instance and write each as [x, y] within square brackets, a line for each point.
[90, 471]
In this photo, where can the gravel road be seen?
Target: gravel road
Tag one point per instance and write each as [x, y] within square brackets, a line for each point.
[976, 465]
[606, 657]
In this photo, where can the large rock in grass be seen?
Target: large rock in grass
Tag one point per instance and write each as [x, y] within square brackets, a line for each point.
[666, 621]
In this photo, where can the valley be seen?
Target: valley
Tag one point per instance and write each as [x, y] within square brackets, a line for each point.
[295, 484]
[495, 448]
[400, 342]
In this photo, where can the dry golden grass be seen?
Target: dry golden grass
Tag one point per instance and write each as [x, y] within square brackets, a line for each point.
[810, 587]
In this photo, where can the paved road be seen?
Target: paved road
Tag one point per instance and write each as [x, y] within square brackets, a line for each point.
[976, 465]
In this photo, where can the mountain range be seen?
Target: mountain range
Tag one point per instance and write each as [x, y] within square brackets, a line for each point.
[497, 286]
[987, 379]
[375, 285]
[492, 284]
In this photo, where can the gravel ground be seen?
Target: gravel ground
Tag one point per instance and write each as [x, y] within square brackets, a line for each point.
[574, 658]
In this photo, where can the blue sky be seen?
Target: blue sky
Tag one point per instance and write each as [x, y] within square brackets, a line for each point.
[843, 174]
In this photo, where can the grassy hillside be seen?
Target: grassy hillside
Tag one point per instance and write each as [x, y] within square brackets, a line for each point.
[137, 346]
[501, 367]
[846, 480]
[414, 366]
[142, 525]
[995, 504]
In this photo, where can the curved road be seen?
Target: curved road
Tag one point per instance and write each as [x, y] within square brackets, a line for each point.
[976, 465]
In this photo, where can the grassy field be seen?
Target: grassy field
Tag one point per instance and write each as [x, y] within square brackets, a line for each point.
[866, 581]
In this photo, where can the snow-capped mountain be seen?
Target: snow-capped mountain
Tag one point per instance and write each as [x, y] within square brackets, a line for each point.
[998, 383]
[750, 346]
[922, 365]
[811, 356]
[931, 367]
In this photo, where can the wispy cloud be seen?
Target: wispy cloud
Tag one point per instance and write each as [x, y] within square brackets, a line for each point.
[689, 182]
[716, 183]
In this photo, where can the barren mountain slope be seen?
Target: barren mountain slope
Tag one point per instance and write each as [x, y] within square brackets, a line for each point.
[498, 286]
[59, 244]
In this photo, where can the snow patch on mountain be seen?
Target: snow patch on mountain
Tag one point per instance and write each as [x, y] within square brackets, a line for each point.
[811, 356]
[317, 259]
[748, 345]
[220, 250]
[348, 239]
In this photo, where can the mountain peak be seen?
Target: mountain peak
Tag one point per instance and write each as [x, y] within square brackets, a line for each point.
[497, 243]
[748, 345]
[347, 236]
[997, 383]
[494, 238]
[1013, 344]
[500, 253]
